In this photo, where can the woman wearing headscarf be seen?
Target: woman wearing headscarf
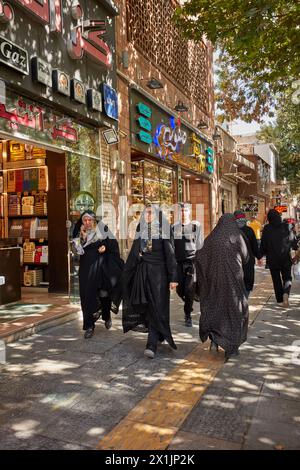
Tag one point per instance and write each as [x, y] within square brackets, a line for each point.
[253, 249]
[276, 243]
[100, 271]
[149, 274]
[220, 278]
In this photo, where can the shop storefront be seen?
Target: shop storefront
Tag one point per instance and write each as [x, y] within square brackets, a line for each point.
[55, 98]
[170, 161]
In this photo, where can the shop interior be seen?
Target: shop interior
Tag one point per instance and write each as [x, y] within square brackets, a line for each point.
[33, 215]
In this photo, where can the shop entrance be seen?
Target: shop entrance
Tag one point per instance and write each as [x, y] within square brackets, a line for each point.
[33, 215]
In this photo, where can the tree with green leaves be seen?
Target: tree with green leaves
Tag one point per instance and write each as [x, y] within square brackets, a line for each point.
[285, 134]
[258, 43]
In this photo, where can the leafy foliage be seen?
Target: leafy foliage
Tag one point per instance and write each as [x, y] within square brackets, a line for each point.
[259, 44]
[285, 134]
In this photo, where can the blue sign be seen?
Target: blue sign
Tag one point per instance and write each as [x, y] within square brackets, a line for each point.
[145, 137]
[110, 101]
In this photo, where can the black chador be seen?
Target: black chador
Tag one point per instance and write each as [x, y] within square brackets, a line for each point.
[99, 273]
[149, 273]
[188, 240]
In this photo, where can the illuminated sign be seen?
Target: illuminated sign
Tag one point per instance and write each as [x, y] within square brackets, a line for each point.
[281, 209]
[169, 140]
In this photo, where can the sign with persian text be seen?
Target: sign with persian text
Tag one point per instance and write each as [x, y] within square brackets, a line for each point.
[162, 135]
[65, 41]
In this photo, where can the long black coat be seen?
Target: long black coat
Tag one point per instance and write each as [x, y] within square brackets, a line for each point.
[220, 279]
[253, 251]
[146, 294]
[276, 243]
[100, 272]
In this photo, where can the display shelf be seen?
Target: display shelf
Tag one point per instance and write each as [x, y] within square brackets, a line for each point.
[23, 164]
[35, 264]
[27, 216]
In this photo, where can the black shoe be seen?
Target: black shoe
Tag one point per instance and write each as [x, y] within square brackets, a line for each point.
[108, 324]
[188, 321]
[89, 333]
[96, 316]
[231, 355]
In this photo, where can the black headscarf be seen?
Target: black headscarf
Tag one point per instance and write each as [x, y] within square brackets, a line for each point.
[274, 218]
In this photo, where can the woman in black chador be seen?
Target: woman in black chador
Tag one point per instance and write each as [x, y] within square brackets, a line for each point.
[100, 271]
[149, 274]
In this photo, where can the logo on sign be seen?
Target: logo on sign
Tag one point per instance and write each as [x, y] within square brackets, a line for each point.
[13, 56]
[110, 101]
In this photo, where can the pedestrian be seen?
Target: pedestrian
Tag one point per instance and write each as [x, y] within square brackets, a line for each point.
[149, 274]
[220, 280]
[188, 239]
[256, 227]
[276, 244]
[253, 250]
[100, 270]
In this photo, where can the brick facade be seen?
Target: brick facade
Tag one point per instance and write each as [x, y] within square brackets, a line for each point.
[145, 31]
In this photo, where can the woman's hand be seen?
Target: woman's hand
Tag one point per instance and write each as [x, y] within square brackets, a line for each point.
[101, 249]
[83, 233]
[173, 285]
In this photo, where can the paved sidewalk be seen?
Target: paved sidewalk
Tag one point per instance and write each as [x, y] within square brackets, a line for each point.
[59, 391]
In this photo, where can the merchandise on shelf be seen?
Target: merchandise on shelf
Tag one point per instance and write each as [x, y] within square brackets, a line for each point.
[14, 204]
[27, 205]
[25, 180]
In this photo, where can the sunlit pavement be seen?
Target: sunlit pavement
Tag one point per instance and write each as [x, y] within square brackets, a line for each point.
[60, 391]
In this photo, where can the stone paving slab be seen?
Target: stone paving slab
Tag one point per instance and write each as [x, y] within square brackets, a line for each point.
[191, 441]
[61, 391]
[222, 414]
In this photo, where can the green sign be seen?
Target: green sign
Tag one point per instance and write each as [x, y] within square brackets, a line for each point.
[210, 168]
[145, 137]
[210, 160]
[144, 110]
[209, 151]
[144, 123]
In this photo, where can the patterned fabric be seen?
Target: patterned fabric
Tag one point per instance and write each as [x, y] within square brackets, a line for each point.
[223, 303]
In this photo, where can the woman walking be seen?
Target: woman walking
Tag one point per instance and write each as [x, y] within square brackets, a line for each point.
[100, 271]
[220, 278]
[149, 274]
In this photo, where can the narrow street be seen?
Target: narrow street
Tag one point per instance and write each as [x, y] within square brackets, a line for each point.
[60, 391]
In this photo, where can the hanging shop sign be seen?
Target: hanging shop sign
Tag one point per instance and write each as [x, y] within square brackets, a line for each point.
[61, 82]
[89, 42]
[110, 101]
[250, 207]
[94, 100]
[281, 209]
[41, 71]
[162, 135]
[14, 56]
[78, 91]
